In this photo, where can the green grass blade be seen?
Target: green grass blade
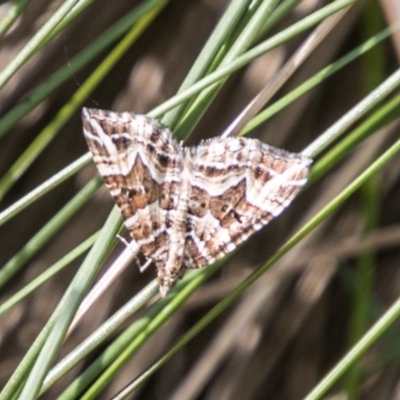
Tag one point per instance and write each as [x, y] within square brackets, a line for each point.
[365, 105]
[48, 231]
[49, 273]
[252, 54]
[122, 349]
[44, 188]
[59, 322]
[315, 80]
[235, 10]
[36, 42]
[79, 61]
[362, 292]
[14, 12]
[381, 116]
[386, 320]
[100, 336]
[247, 36]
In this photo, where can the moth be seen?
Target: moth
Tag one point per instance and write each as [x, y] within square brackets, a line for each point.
[186, 207]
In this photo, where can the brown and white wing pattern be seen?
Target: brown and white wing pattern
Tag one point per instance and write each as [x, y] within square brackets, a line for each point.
[140, 163]
[188, 207]
[237, 186]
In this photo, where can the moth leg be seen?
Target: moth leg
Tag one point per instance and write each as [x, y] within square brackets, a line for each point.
[146, 265]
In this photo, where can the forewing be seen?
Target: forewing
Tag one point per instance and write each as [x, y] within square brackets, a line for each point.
[237, 186]
[137, 158]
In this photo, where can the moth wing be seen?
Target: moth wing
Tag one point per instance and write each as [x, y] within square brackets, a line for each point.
[238, 185]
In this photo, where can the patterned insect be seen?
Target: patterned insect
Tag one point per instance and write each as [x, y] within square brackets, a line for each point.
[186, 207]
